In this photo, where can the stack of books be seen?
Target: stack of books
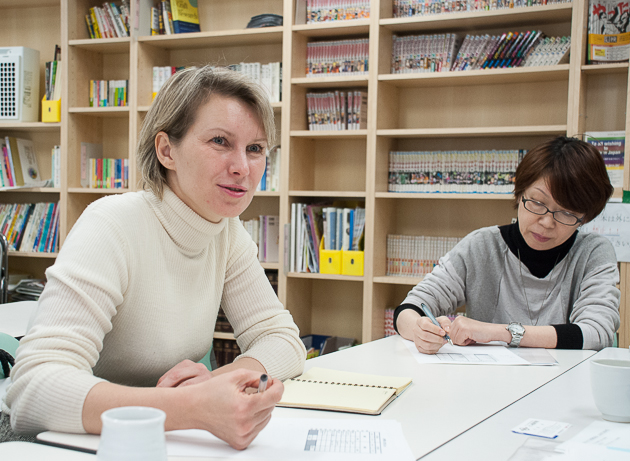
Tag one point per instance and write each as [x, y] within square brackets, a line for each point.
[270, 180]
[447, 52]
[26, 290]
[30, 227]
[102, 173]
[52, 74]
[110, 21]
[225, 351]
[339, 110]
[415, 256]
[348, 57]
[405, 8]
[18, 163]
[174, 17]
[454, 171]
[336, 10]
[265, 232]
[108, 93]
[608, 31]
[389, 322]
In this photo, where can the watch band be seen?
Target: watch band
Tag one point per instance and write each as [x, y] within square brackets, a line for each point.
[517, 331]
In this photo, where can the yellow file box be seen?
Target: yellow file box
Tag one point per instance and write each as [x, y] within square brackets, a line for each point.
[352, 262]
[51, 111]
[329, 260]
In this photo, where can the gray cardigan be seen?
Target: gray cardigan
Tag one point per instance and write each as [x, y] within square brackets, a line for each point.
[483, 274]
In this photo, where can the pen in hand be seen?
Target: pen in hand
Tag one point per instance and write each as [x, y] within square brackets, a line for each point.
[262, 384]
[428, 313]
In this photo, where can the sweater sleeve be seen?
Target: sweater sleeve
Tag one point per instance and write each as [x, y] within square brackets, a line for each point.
[53, 371]
[596, 309]
[264, 329]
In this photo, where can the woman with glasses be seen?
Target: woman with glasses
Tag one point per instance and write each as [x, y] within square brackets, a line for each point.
[538, 282]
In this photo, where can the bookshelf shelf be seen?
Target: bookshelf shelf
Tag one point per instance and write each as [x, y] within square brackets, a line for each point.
[101, 111]
[441, 196]
[479, 77]
[196, 40]
[326, 194]
[470, 21]
[334, 28]
[87, 190]
[267, 193]
[389, 279]
[329, 134]
[29, 126]
[317, 276]
[331, 82]
[223, 335]
[32, 254]
[270, 266]
[103, 45]
[45, 190]
[617, 68]
[495, 131]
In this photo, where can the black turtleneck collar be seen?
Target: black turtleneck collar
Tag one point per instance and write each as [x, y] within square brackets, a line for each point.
[539, 263]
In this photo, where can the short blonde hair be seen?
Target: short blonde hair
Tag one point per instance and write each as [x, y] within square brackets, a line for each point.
[175, 109]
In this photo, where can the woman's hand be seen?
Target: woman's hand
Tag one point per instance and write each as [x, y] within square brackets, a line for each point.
[466, 331]
[427, 337]
[183, 374]
[221, 406]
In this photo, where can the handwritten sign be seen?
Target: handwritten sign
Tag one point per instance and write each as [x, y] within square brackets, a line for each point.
[614, 224]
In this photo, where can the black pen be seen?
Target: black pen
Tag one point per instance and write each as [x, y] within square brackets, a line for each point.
[428, 313]
[262, 384]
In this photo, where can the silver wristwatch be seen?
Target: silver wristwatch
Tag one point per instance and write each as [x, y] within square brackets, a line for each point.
[517, 331]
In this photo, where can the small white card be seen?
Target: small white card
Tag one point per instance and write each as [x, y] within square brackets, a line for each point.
[541, 428]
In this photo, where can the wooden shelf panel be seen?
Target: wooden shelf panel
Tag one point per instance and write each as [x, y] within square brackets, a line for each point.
[27, 3]
[30, 126]
[337, 81]
[32, 254]
[478, 77]
[617, 68]
[87, 190]
[316, 276]
[329, 134]
[270, 266]
[327, 194]
[474, 131]
[238, 37]
[267, 193]
[441, 196]
[46, 190]
[455, 22]
[276, 106]
[397, 280]
[101, 111]
[223, 335]
[334, 28]
[103, 45]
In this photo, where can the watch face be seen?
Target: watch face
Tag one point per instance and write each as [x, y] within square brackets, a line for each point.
[516, 328]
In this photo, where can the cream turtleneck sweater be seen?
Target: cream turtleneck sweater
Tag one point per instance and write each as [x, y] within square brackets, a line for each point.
[135, 290]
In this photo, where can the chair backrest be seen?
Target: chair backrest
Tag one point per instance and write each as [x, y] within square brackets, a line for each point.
[4, 269]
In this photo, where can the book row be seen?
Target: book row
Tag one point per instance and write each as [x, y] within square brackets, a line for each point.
[389, 322]
[405, 8]
[608, 34]
[108, 93]
[30, 227]
[338, 110]
[174, 17]
[336, 10]
[414, 256]
[265, 232]
[447, 52]
[225, 351]
[270, 180]
[454, 171]
[108, 173]
[348, 57]
[268, 75]
[52, 76]
[55, 166]
[18, 163]
[612, 146]
[108, 21]
[315, 227]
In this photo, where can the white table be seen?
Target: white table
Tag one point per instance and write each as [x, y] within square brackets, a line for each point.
[14, 317]
[567, 398]
[444, 400]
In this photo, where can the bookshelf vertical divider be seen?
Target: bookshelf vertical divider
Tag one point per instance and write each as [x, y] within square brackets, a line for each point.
[400, 117]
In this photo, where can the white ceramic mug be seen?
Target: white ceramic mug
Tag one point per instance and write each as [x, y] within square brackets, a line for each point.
[132, 433]
[610, 381]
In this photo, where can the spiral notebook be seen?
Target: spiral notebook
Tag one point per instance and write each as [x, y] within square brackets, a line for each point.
[324, 389]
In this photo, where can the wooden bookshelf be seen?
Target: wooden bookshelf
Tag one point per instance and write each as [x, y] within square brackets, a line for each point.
[485, 109]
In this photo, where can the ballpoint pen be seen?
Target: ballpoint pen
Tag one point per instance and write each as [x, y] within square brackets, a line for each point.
[428, 313]
[262, 384]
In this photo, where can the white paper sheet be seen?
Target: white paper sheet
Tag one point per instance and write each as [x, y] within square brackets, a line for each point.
[613, 436]
[468, 355]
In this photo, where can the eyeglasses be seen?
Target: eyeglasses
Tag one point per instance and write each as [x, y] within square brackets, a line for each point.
[562, 217]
